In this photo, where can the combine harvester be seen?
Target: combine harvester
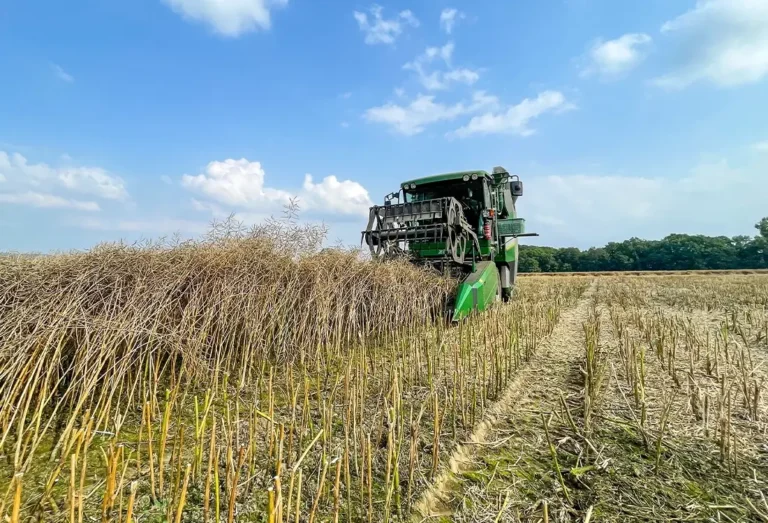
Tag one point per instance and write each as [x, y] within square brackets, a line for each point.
[463, 224]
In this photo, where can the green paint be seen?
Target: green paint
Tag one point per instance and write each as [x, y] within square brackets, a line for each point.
[444, 177]
[509, 253]
[511, 226]
[478, 291]
[486, 200]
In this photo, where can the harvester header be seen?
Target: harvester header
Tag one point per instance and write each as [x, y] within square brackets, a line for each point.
[461, 223]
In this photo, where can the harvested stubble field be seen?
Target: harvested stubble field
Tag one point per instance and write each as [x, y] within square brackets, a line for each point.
[647, 403]
[254, 377]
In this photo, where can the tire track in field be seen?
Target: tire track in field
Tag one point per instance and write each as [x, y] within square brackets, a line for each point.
[535, 387]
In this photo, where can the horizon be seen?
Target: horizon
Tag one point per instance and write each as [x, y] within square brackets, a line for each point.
[166, 240]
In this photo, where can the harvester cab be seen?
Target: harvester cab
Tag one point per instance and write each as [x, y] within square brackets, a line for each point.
[464, 224]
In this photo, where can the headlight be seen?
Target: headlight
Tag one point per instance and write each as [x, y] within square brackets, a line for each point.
[465, 177]
[413, 186]
[474, 176]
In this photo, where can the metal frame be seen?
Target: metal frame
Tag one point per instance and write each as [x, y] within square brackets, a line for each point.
[392, 228]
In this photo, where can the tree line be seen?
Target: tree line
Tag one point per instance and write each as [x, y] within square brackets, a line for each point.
[676, 252]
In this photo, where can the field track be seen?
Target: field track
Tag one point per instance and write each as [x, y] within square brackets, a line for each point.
[625, 433]
[535, 388]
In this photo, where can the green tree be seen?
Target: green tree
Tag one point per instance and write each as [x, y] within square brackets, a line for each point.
[758, 249]
[762, 226]
[594, 259]
[528, 262]
[568, 259]
[675, 252]
[544, 257]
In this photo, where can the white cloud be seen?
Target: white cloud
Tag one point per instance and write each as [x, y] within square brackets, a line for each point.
[228, 17]
[80, 179]
[235, 182]
[465, 76]
[413, 118]
[345, 124]
[92, 180]
[449, 17]
[61, 74]
[43, 200]
[445, 52]
[347, 95]
[515, 119]
[166, 179]
[239, 184]
[712, 178]
[615, 57]
[626, 196]
[761, 146]
[614, 208]
[2, 178]
[606, 208]
[436, 80]
[212, 208]
[723, 42]
[409, 18]
[379, 30]
[338, 197]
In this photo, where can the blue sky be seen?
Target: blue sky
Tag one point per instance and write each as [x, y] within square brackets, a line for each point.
[127, 120]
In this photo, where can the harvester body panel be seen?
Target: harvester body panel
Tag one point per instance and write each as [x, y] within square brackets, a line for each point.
[478, 291]
[462, 223]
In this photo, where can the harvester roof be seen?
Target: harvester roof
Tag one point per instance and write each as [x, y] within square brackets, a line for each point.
[443, 178]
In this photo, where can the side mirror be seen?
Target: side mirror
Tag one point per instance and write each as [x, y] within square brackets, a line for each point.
[516, 187]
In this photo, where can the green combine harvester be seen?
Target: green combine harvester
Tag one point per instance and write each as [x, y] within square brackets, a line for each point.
[464, 224]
